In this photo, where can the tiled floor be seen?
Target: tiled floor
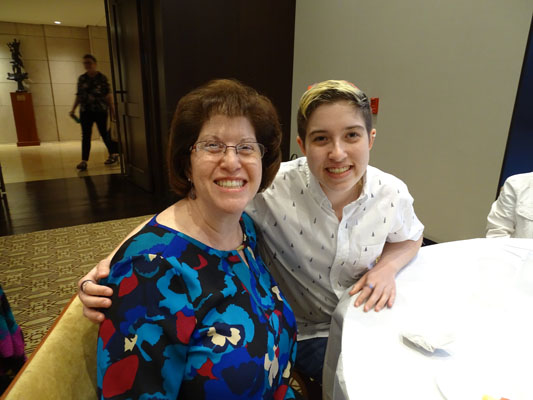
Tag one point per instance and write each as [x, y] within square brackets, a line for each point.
[52, 160]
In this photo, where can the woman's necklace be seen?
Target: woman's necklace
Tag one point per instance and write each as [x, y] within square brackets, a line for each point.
[243, 244]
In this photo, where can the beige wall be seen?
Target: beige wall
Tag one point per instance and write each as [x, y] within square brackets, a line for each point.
[446, 73]
[52, 57]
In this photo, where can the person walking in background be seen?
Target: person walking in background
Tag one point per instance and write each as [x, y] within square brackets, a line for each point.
[95, 99]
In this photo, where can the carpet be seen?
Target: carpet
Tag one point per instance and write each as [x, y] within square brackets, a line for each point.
[39, 271]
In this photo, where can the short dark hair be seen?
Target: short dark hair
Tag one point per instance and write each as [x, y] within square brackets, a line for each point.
[90, 56]
[329, 92]
[221, 97]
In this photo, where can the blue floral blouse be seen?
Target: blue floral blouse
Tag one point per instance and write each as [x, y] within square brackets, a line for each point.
[192, 322]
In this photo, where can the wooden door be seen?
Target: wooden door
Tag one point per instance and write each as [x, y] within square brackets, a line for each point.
[250, 40]
[125, 44]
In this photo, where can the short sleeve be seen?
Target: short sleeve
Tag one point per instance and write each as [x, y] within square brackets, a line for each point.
[143, 342]
[406, 224]
[501, 218]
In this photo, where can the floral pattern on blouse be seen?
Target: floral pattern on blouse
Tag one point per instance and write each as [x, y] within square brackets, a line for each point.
[189, 321]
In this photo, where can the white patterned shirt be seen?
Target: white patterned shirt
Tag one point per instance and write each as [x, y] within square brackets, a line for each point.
[312, 255]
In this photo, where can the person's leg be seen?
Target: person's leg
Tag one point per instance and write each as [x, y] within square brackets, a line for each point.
[309, 364]
[101, 123]
[113, 151]
[114, 146]
[86, 121]
[310, 357]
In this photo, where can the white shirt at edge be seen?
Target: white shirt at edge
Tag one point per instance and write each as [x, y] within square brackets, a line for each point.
[312, 255]
[511, 215]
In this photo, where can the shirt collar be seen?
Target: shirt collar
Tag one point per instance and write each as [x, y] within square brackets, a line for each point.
[363, 197]
[366, 188]
[315, 190]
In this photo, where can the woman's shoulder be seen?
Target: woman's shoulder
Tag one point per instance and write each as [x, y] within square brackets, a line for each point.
[152, 238]
[153, 251]
[153, 232]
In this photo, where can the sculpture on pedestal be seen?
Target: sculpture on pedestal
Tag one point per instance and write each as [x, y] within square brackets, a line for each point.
[21, 100]
[17, 65]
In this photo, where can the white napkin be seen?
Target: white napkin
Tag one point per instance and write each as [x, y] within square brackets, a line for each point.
[430, 340]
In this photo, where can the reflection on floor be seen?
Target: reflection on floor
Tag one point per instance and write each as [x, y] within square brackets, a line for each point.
[56, 203]
[52, 160]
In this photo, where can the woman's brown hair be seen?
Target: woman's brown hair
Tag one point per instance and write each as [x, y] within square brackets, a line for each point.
[221, 97]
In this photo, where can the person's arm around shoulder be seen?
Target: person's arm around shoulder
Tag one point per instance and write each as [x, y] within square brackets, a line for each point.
[94, 296]
[501, 219]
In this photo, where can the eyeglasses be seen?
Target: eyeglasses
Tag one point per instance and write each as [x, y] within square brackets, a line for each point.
[247, 150]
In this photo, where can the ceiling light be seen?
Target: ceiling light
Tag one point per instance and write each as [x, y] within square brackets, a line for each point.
[57, 22]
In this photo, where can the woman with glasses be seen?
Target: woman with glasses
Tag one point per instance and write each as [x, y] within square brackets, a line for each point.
[195, 313]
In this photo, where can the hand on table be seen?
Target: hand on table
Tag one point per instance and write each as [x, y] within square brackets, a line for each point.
[92, 295]
[376, 288]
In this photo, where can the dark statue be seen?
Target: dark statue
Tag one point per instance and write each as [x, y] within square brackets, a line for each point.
[17, 65]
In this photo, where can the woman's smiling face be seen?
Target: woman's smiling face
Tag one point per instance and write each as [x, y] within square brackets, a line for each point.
[337, 147]
[225, 183]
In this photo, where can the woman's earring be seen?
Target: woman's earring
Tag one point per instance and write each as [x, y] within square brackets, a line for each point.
[192, 192]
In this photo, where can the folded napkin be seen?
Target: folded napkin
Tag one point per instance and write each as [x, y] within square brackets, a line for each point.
[430, 340]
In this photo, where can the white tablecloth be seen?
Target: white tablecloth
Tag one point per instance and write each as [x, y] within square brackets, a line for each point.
[479, 291]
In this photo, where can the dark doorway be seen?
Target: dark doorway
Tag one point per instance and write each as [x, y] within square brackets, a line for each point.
[125, 47]
[161, 49]
[519, 150]
[250, 40]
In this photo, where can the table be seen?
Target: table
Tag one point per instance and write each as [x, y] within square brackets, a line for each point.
[480, 291]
